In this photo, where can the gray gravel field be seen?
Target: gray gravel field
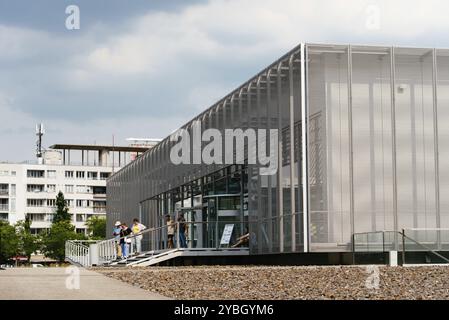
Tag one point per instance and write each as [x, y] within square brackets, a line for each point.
[271, 282]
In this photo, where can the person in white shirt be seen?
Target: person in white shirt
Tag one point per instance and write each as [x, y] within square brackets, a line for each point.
[137, 228]
[171, 228]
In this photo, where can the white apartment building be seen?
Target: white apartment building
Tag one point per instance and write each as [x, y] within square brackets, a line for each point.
[30, 189]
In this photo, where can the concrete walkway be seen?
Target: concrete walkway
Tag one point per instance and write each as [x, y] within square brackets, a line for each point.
[55, 283]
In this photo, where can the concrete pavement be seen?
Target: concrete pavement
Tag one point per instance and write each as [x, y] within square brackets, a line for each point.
[55, 283]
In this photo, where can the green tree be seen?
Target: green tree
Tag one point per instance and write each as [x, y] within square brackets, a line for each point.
[62, 211]
[96, 226]
[28, 243]
[9, 241]
[54, 241]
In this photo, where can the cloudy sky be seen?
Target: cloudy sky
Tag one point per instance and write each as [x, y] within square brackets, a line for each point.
[143, 68]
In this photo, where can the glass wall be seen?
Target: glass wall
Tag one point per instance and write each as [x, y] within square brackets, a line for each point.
[376, 145]
[373, 149]
[328, 148]
[372, 139]
[415, 152]
[442, 91]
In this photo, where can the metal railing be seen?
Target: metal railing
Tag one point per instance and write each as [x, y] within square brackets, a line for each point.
[203, 235]
[77, 252]
[67, 163]
[107, 251]
[402, 241]
[180, 235]
[193, 235]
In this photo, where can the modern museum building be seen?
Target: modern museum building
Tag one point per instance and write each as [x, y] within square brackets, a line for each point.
[360, 135]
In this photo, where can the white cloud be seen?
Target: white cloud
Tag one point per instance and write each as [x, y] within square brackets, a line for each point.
[155, 71]
[238, 31]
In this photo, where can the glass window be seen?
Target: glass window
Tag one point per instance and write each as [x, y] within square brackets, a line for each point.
[4, 189]
[104, 175]
[92, 175]
[51, 174]
[328, 149]
[415, 154]
[35, 188]
[80, 174]
[35, 173]
[228, 203]
[372, 137]
[13, 205]
[37, 217]
[443, 132]
[35, 202]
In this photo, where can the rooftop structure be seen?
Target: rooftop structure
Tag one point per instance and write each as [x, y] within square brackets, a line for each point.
[30, 188]
[104, 155]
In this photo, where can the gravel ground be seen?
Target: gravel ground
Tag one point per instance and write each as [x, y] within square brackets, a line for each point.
[256, 282]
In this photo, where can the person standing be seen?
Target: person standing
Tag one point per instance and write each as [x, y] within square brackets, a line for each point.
[124, 232]
[171, 228]
[183, 228]
[116, 233]
[137, 228]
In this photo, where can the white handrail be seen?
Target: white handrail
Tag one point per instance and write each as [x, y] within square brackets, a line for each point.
[154, 239]
[107, 251]
[77, 252]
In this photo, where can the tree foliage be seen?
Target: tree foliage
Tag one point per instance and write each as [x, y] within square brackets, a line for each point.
[54, 241]
[96, 226]
[9, 242]
[28, 243]
[62, 211]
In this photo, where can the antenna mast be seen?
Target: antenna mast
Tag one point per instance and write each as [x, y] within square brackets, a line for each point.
[39, 133]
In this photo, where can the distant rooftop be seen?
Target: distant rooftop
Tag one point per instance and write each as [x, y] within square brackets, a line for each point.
[98, 148]
[144, 139]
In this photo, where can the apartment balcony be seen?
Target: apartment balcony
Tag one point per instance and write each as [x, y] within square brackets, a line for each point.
[40, 224]
[99, 209]
[3, 217]
[4, 207]
[99, 195]
[4, 192]
[39, 195]
[37, 210]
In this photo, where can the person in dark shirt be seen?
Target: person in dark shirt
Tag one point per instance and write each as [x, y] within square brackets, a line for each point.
[124, 232]
[183, 228]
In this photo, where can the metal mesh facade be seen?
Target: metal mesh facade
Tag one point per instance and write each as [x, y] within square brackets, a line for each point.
[363, 146]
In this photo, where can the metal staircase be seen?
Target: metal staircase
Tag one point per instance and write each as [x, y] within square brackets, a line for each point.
[155, 245]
